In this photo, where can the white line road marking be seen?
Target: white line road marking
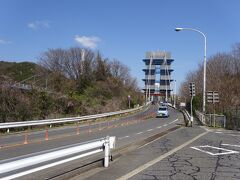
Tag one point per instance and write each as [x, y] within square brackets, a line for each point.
[156, 160]
[123, 137]
[228, 151]
[149, 130]
[233, 145]
[173, 121]
[165, 125]
[219, 132]
[159, 127]
[139, 133]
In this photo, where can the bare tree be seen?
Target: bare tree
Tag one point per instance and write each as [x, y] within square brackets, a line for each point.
[223, 75]
[119, 70]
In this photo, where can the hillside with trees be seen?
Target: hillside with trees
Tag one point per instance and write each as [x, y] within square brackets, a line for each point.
[223, 75]
[65, 82]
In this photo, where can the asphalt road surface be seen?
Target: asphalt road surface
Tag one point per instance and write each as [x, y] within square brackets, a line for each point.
[187, 153]
[127, 131]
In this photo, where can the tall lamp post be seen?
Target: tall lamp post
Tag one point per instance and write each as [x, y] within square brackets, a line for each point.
[204, 63]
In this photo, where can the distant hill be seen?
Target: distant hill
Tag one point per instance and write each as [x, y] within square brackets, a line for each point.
[17, 71]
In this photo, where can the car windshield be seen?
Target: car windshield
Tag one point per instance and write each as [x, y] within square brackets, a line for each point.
[162, 109]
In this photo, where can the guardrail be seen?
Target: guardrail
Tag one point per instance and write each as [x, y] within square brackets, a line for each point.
[92, 147]
[63, 120]
[201, 117]
[187, 117]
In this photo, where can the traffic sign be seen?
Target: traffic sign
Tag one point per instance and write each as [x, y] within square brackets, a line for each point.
[212, 97]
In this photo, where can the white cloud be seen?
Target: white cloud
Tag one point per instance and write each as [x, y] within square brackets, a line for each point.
[39, 24]
[88, 42]
[4, 42]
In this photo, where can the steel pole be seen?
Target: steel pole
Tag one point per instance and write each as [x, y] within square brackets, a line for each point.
[191, 112]
[175, 93]
[204, 73]
[204, 63]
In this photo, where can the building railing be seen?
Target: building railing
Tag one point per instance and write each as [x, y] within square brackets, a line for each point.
[147, 67]
[158, 54]
[150, 77]
[10, 170]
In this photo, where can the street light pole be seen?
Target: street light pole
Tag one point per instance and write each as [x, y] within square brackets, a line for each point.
[204, 63]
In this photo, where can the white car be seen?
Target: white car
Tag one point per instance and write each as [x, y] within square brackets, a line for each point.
[162, 111]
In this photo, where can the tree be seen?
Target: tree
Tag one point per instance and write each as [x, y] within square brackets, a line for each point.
[223, 72]
[119, 70]
[102, 68]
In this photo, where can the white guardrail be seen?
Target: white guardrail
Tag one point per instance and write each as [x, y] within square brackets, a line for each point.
[188, 115]
[201, 117]
[96, 146]
[63, 120]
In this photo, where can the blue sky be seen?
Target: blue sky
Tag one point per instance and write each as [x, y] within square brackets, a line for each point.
[123, 29]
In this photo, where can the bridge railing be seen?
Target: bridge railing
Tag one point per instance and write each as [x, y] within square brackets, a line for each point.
[10, 170]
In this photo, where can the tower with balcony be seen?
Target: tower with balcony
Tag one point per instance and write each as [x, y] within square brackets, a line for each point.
[157, 75]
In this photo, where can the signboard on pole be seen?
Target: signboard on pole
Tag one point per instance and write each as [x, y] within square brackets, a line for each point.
[212, 97]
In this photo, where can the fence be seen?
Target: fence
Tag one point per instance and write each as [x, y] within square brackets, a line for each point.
[236, 122]
[212, 120]
[10, 170]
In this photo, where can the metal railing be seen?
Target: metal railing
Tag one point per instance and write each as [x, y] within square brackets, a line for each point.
[187, 117]
[10, 170]
[212, 120]
[201, 117]
[63, 120]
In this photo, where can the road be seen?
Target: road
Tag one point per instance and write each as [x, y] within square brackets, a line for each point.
[126, 131]
[31, 136]
[187, 153]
